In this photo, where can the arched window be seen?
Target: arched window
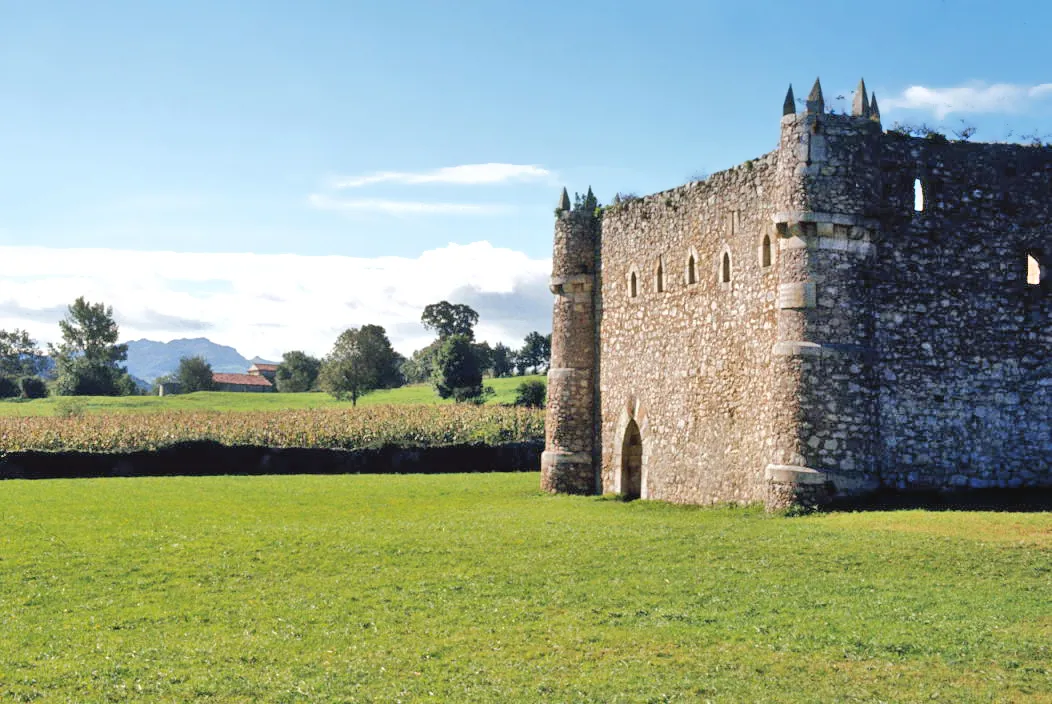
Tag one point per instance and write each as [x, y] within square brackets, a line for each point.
[692, 270]
[918, 195]
[632, 286]
[765, 251]
[659, 278]
[1033, 270]
[725, 268]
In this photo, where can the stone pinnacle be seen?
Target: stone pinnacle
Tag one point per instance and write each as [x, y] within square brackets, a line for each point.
[860, 106]
[815, 101]
[564, 201]
[789, 106]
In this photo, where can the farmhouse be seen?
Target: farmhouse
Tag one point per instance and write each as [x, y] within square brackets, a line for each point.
[267, 371]
[242, 382]
[857, 309]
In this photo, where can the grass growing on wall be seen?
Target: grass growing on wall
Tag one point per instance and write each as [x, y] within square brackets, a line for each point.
[504, 389]
[479, 588]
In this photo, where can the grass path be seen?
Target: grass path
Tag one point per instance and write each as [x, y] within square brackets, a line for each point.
[504, 389]
[479, 588]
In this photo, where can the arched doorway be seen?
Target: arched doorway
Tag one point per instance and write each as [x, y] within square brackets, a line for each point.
[632, 462]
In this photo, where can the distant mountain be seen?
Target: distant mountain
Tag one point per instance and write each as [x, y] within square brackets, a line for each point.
[260, 360]
[148, 359]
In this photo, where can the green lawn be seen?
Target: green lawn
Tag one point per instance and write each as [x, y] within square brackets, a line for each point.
[479, 588]
[504, 389]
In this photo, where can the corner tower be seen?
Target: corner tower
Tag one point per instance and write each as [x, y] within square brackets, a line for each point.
[567, 464]
[828, 193]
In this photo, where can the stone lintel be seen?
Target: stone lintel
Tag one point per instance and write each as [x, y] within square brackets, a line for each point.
[560, 457]
[800, 348]
[793, 216]
[797, 295]
[836, 244]
[794, 474]
[575, 283]
[558, 373]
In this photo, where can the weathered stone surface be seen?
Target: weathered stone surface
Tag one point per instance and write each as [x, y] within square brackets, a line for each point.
[808, 316]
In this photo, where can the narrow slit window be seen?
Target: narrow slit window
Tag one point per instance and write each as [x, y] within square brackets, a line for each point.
[918, 195]
[692, 275]
[1033, 270]
[725, 268]
[660, 278]
[632, 285]
[765, 251]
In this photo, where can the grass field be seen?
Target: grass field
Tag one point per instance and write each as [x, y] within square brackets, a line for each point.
[504, 389]
[479, 588]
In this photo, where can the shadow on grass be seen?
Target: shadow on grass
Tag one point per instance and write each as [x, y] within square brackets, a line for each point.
[1003, 500]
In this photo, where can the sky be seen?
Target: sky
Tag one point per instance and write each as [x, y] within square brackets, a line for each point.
[268, 174]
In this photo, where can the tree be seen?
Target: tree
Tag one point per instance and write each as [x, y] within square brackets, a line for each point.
[195, 374]
[88, 359]
[531, 394]
[32, 387]
[457, 374]
[297, 372]
[502, 362]
[536, 352]
[361, 361]
[19, 354]
[447, 319]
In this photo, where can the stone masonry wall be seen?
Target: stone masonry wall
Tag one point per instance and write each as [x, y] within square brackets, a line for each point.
[965, 344]
[690, 364]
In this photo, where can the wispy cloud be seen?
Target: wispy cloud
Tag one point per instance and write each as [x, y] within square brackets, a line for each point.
[402, 207]
[973, 97]
[466, 174]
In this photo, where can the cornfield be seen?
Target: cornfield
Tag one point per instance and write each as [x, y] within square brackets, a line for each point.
[373, 426]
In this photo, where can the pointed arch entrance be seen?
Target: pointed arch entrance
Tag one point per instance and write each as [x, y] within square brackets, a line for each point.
[631, 462]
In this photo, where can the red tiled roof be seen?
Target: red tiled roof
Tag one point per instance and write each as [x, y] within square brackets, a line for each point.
[243, 379]
[265, 367]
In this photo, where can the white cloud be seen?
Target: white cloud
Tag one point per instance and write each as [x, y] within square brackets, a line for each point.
[266, 304]
[974, 97]
[402, 207]
[466, 174]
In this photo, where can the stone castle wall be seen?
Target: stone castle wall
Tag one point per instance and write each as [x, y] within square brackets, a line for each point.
[965, 344]
[874, 345]
[690, 364]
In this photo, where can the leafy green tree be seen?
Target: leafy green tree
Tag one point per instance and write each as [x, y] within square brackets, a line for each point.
[297, 372]
[19, 354]
[531, 394]
[88, 360]
[8, 387]
[420, 367]
[32, 387]
[195, 374]
[502, 360]
[536, 352]
[457, 373]
[362, 360]
[447, 319]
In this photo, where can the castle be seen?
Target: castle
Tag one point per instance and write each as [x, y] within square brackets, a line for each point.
[856, 310]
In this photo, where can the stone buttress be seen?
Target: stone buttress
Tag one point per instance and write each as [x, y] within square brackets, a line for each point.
[567, 464]
[827, 225]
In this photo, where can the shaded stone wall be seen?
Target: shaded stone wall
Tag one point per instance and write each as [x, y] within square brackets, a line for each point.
[691, 364]
[965, 363]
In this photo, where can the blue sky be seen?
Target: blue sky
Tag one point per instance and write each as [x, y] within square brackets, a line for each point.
[356, 130]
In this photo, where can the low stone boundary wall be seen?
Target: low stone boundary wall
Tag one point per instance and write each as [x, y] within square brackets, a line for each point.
[206, 459]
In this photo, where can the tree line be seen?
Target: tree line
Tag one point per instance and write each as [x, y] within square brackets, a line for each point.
[362, 360]
[88, 361]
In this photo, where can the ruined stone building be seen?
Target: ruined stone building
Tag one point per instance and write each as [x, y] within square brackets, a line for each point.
[855, 310]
